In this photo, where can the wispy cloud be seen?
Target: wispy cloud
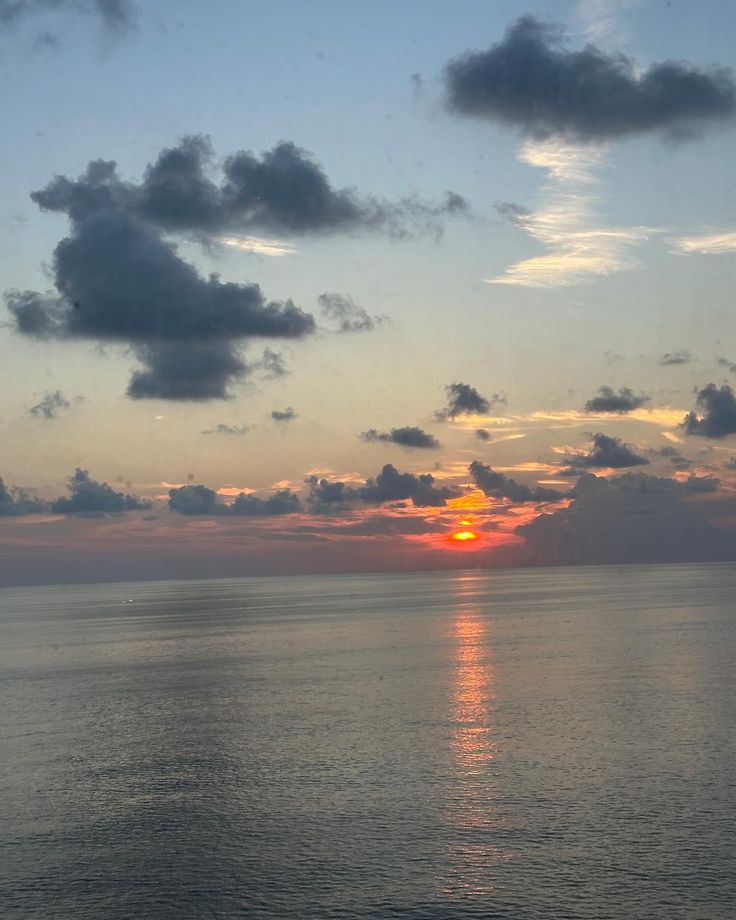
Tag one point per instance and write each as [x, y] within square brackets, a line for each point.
[259, 245]
[708, 242]
[578, 246]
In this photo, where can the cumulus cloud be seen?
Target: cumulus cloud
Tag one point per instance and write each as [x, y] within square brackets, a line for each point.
[17, 502]
[462, 399]
[606, 453]
[389, 485]
[714, 415]
[50, 405]
[670, 358]
[119, 280]
[483, 434]
[620, 403]
[409, 436]
[87, 495]
[347, 315]
[283, 415]
[193, 500]
[531, 80]
[633, 518]
[674, 456]
[497, 485]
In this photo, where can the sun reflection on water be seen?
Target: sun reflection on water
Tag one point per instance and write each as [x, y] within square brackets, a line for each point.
[473, 853]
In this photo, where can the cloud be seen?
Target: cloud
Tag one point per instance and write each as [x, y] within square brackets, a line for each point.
[115, 15]
[17, 502]
[578, 245]
[674, 456]
[606, 453]
[497, 485]
[119, 280]
[672, 358]
[197, 500]
[633, 518]
[89, 496]
[271, 365]
[283, 415]
[409, 436]
[50, 405]
[620, 403]
[349, 317]
[724, 362]
[388, 486]
[531, 81]
[714, 415]
[238, 430]
[462, 399]
[482, 434]
[707, 244]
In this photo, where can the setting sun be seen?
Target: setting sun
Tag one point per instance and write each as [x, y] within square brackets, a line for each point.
[465, 535]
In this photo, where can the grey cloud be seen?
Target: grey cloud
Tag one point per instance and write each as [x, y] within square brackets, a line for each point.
[674, 456]
[271, 365]
[115, 15]
[462, 399]
[724, 362]
[622, 402]
[388, 486]
[670, 358]
[714, 415]
[238, 430]
[483, 434]
[409, 436]
[50, 405]
[193, 500]
[283, 415]
[89, 496]
[17, 502]
[512, 211]
[497, 485]
[530, 80]
[347, 315]
[632, 518]
[118, 280]
[606, 453]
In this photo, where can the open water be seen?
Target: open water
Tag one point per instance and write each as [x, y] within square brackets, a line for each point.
[532, 744]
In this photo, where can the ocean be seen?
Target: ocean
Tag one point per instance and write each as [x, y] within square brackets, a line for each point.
[549, 743]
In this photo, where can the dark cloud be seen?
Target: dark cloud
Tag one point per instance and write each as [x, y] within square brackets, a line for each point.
[674, 456]
[89, 496]
[390, 485]
[714, 415]
[670, 358]
[228, 429]
[530, 80]
[115, 15]
[195, 500]
[483, 434]
[622, 402]
[462, 399]
[632, 518]
[606, 453]
[283, 415]
[409, 436]
[724, 362]
[347, 315]
[50, 405]
[516, 213]
[118, 280]
[497, 485]
[17, 502]
[271, 365]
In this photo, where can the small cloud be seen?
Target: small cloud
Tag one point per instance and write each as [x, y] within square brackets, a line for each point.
[670, 358]
[714, 415]
[271, 365]
[347, 315]
[283, 415]
[87, 495]
[606, 453]
[714, 243]
[409, 436]
[483, 434]
[620, 403]
[238, 430]
[463, 399]
[50, 405]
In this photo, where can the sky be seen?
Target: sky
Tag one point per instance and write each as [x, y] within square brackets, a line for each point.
[329, 287]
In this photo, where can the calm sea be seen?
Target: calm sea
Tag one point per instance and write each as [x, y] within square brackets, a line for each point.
[537, 744]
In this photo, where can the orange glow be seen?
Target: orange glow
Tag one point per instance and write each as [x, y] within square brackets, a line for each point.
[470, 502]
[464, 535]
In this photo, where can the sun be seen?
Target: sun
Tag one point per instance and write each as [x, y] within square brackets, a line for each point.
[465, 536]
